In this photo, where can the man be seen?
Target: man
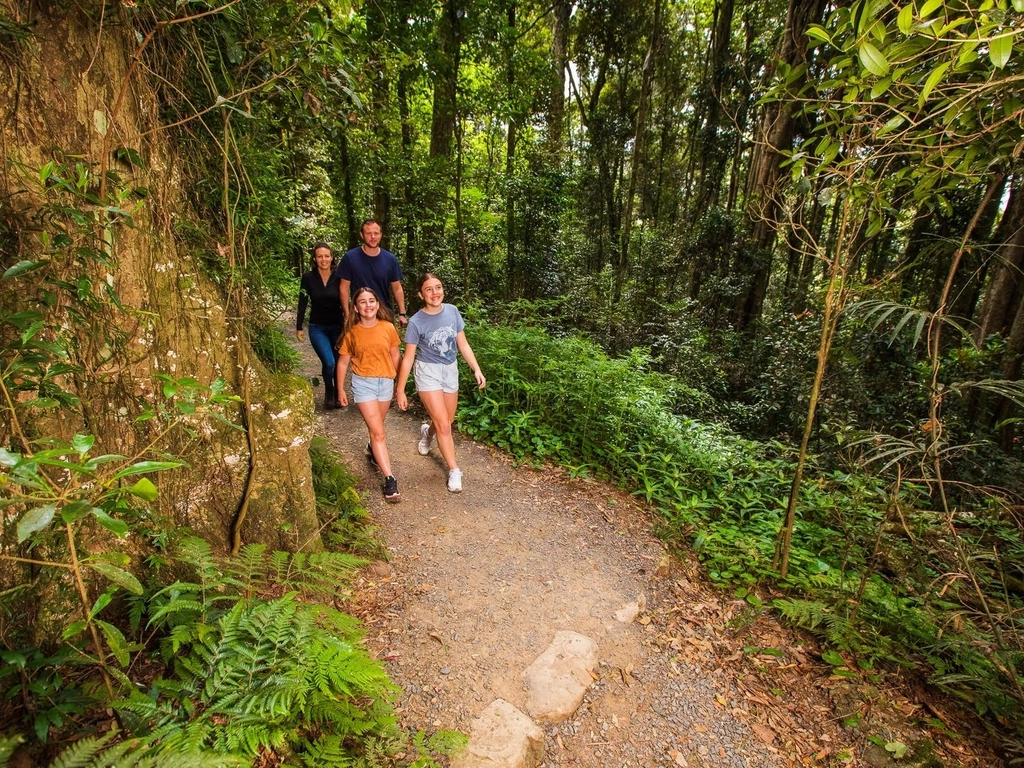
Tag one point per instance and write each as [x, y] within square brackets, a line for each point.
[371, 266]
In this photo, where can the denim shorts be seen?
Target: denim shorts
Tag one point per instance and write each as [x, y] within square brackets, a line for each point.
[366, 389]
[431, 377]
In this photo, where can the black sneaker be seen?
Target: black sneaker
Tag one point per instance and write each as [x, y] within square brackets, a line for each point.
[391, 489]
[369, 454]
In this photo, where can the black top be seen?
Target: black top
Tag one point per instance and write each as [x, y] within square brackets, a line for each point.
[324, 300]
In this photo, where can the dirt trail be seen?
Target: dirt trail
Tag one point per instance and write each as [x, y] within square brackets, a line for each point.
[479, 583]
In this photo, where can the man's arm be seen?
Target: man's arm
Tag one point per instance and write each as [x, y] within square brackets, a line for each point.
[343, 290]
[396, 288]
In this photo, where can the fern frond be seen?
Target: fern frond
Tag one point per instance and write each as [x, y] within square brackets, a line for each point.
[1011, 390]
[81, 753]
[95, 753]
[806, 614]
[250, 568]
[882, 311]
[327, 752]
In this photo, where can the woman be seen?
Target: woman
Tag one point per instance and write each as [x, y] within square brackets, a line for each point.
[370, 343]
[438, 330]
[319, 289]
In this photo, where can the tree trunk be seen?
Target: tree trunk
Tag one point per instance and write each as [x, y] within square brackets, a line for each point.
[778, 124]
[971, 277]
[513, 284]
[1011, 370]
[560, 60]
[446, 73]
[712, 154]
[637, 160]
[380, 120]
[351, 219]
[1003, 295]
[410, 202]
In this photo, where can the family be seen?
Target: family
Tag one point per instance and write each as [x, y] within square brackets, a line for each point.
[352, 322]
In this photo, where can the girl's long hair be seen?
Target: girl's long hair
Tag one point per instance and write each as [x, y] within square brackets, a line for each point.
[383, 313]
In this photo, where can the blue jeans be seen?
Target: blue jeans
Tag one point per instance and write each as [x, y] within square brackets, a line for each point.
[323, 337]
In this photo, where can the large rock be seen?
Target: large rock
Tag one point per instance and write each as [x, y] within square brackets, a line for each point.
[558, 679]
[502, 737]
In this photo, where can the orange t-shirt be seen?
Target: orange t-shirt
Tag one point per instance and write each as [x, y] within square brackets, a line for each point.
[370, 349]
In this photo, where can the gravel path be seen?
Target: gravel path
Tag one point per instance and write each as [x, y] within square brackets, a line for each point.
[478, 583]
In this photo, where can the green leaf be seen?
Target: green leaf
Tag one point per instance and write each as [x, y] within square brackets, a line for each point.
[115, 641]
[930, 7]
[35, 520]
[8, 459]
[816, 32]
[880, 87]
[83, 443]
[1018, 5]
[42, 403]
[873, 60]
[144, 467]
[102, 602]
[22, 267]
[73, 629]
[144, 489]
[898, 749]
[931, 82]
[905, 21]
[999, 50]
[76, 510]
[116, 575]
[118, 527]
[833, 658]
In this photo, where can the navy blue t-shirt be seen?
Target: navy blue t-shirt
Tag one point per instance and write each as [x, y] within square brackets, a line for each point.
[377, 272]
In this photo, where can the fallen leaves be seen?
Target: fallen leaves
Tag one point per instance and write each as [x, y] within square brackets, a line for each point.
[764, 734]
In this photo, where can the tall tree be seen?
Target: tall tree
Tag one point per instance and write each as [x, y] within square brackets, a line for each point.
[560, 13]
[775, 137]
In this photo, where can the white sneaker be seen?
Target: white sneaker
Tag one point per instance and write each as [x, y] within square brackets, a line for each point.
[423, 446]
[455, 480]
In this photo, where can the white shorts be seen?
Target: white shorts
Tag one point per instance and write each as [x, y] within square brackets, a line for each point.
[366, 389]
[431, 377]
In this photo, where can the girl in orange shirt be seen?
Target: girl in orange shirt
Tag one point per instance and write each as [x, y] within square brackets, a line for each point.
[370, 344]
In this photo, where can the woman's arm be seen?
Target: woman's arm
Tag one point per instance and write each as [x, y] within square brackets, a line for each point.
[403, 376]
[470, 358]
[300, 313]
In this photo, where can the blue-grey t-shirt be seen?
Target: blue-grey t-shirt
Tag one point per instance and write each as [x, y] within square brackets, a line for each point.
[434, 335]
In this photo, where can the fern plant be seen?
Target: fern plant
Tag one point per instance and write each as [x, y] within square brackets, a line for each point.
[249, 673]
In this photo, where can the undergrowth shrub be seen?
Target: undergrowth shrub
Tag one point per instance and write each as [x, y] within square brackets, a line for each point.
[345, 523]
[875, 569]
[274, 350]
[254, 662]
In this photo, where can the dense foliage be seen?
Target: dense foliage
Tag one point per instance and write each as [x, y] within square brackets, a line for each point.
[878, 567]
[791, 234]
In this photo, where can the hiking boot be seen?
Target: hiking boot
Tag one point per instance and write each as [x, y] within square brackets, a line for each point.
[330, 399]
[391, 493]
[455, 480]
[369, 454]
[423, 446]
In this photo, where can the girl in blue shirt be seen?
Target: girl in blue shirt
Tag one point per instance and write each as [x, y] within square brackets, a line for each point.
[437, 331]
